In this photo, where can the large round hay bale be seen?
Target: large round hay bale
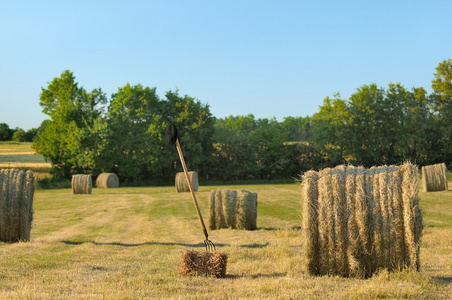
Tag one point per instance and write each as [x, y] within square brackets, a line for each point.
[310, 222]
[233, 209]
[16, 205]
[434, 178]
[81, 184]
[107, 181]
[182, 184]
[358, 221]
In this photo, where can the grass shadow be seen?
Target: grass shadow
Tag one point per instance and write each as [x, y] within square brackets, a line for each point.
[254, 246]
[442, 280]
[255, 276]
[199, 245]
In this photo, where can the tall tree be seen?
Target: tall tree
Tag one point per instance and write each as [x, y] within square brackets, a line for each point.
[6, 133]
[130, 113]
[442, 86]
[329, 132]
[71, 109]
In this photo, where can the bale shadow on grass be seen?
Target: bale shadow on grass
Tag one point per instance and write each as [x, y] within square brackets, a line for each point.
[255, 276]
[199, 245]
[253, 246]
[442, 280]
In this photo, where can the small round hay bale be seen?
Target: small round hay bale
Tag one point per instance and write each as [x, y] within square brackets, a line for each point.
[16, 205]
[181, 181]
[107, 181]
[81, 184]
[229, 206]
[434, 178]
[212, 222]
[202, 263]
[220, 221]
[246, 210]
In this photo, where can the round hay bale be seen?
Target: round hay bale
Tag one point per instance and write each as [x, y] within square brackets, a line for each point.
[16, 205]
[340, 217]
[233, 209]
[181, 181]
[359, 221]
[412, 218]
[310, 222]
[434, 178]
[212, 222]
[81, 184]
[229, 198]
[246, 210]
[107, 181]
[327, 253]
[220, 221]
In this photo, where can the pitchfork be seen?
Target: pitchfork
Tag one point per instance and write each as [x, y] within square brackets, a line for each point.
[171, 139]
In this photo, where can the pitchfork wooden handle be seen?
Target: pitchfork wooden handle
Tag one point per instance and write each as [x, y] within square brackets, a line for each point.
[191, 189]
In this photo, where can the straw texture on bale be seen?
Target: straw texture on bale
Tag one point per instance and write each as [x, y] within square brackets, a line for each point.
[16, 205]
[107, 181]
[357, 221]
[209, 264]
[233, 209]
[82, 184]
[182, 184]
[434, 178]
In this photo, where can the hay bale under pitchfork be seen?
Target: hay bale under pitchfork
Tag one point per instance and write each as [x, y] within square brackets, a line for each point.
[81, 184]
[202, 263]
[434, 178]
[16, 205]
[358, 221]
[107, 181]
[182, 184]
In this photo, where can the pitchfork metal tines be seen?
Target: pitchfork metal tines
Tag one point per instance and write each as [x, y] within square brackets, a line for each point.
[171, 139]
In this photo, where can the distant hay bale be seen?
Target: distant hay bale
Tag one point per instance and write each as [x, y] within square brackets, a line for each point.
[357, 221]
[233, 209]
[182, 184]
[434, 178]
[16, 205]
[209, 264]
[82, 184]
[107, 181]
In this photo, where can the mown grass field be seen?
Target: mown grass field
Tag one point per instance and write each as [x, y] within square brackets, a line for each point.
[127, 243]
[19, 155]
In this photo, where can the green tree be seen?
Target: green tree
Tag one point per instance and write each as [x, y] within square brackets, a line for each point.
[297, 129]
[71, 110]
[19, 136]
[329, 132]
[6, 133]
[130, 114]
[195, 125]
[442, 104]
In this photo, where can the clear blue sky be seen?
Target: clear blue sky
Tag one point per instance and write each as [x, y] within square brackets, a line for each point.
[269, 58]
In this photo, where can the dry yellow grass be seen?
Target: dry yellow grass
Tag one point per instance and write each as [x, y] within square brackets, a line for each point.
[127, 243]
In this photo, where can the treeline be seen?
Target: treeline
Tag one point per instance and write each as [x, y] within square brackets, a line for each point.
[16, 134]
[87, 133]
